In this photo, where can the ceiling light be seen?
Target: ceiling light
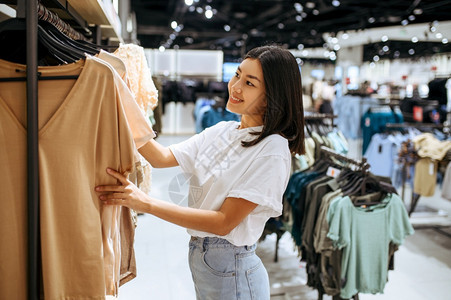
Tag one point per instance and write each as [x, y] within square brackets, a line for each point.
[438, 35]
[411, 51]
[191, 8]
[418, 11]
[303, 15]
[208, 14]
[162, 48]
[414, 39]
[396, 54]
[226, 27]
[337, 47]
[372, 65]
[189, 40]
[445, 41]
[432, 29]
[178, 28]
[411, 18]
[315, 12]
[334, 40]
[313, 32]
[384, 38]
[189, 2]
[310, 4]
[304, 52]
[176, 47]
[280, 26]
[298, 60]
[376, 58]
[298, 7]
[385, 48]
[200, 10]
[300, 46]
[172, 36]
[173, 24]
[345, 36]
[298, 18]
[404, 22]
[336, 3]
[371, 20]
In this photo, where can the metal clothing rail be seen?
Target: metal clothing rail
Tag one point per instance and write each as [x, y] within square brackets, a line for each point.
[47, 15]
[28, 10]
[363, 165]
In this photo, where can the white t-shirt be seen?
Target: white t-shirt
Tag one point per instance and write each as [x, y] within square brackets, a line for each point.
[219, 167]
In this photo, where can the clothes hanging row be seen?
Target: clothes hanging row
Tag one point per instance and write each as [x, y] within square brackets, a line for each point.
[91, 121]
[334, 186]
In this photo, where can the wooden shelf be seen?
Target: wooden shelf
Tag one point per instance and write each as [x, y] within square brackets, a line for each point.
[95, 13]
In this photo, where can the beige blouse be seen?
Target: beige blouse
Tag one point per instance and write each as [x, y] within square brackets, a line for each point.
[82, 131]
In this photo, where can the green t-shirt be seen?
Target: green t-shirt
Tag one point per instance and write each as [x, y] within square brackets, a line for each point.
[364, 236]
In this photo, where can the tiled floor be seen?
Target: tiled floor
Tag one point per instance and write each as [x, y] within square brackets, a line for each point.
[422, 263]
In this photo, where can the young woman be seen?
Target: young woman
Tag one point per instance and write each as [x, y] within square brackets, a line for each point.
[238, 173]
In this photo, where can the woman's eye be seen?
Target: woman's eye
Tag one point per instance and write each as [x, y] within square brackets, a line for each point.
[249, 83]
[237, 75]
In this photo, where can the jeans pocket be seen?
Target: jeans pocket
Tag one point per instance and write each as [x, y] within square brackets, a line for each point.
[219, 263]
[258, 281]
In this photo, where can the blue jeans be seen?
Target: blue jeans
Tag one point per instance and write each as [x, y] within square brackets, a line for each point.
[222, 271]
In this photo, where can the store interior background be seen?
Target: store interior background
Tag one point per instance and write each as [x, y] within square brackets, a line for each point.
[397, 61]
[397, 47]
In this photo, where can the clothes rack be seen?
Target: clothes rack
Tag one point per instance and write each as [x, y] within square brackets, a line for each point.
[46, 15]
[28, 13]
[28, 9]
[446, 129]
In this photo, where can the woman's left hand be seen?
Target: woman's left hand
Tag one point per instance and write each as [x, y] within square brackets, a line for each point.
[126, 194]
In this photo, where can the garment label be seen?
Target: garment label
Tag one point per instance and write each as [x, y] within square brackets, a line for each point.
[431, 169]
[332, 172]
[367, 122]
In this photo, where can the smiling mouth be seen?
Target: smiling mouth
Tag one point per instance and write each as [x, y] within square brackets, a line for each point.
[235, 100]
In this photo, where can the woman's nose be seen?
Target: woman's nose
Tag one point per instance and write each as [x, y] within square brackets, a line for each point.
[236, 87]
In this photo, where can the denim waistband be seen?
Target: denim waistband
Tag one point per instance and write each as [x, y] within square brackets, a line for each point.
[215, 242]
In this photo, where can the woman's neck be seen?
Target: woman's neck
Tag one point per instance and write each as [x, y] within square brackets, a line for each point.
[250, 121]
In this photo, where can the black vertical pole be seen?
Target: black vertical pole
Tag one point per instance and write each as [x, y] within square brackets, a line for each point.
[31, 17]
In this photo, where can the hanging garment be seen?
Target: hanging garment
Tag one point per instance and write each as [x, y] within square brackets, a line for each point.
[446, 184]
[139, 75]
[364, 235]
[142, 132]
[82, 131]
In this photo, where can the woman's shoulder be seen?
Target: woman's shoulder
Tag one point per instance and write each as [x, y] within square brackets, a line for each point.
[276, 145]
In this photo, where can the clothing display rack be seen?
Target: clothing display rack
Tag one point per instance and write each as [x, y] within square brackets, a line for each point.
[446, 129]
[362, 164]
[30, 12]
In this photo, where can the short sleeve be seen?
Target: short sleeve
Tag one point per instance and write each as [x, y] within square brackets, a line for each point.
[264, 183]
[400, 225]
[140, 126]
[185, 152]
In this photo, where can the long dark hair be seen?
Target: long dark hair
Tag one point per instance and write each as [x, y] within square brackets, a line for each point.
[284, 113]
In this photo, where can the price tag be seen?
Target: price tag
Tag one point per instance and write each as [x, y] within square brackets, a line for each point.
[333, 172]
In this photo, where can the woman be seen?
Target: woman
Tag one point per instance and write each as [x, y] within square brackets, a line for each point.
[238, 172]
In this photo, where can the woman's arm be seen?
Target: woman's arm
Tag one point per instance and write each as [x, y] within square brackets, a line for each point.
[157, 155]
[220, 222]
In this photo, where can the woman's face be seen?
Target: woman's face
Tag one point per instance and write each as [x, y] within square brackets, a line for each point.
[247, 93]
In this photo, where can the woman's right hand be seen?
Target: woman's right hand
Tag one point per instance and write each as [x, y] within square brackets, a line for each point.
[125, 194]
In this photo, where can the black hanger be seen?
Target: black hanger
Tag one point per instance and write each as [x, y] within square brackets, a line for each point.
[50, 50]
[62, 38]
